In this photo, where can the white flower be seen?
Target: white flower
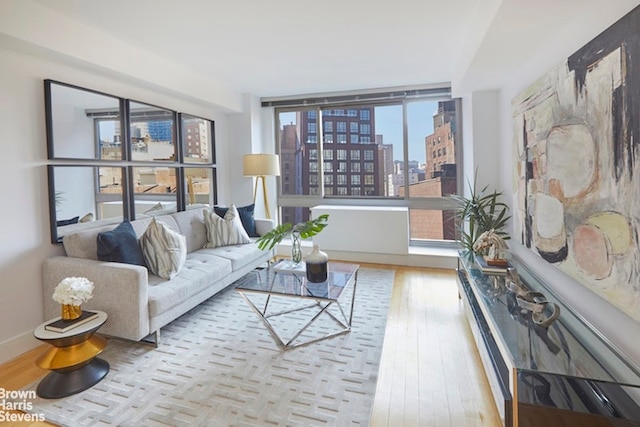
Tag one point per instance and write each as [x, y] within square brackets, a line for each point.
[74, 291]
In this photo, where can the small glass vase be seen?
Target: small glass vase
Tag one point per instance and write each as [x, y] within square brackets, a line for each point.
[296, 249]
[70, 312]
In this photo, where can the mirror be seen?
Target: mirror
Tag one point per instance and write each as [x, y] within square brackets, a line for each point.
[197, 139]
[154, 190]
[112, 159]
[200, 187]
[84, 194]
[152, 133]
[82, 124]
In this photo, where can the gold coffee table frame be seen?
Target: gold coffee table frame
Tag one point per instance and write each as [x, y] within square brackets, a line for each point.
[275, 283]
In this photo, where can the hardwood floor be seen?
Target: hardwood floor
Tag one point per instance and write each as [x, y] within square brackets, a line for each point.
[430, 373]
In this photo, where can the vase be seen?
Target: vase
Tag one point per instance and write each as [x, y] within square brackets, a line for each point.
[296, 249]
[316, 265]
[70, 312]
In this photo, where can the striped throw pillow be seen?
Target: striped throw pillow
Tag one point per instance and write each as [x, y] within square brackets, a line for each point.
[224, 231]
[164, 250]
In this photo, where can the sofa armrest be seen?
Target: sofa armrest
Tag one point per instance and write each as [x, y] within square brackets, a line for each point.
[120, 290]
[263, 225]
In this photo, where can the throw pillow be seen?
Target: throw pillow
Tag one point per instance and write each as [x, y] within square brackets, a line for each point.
[164, 250]
[246, 217]
[120, 245]
[224, 231]
[87, 218]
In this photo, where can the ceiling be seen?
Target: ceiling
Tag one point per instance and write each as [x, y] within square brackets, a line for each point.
[287, 47]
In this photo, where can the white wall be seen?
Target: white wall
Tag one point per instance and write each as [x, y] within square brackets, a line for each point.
[23, 178]
[622, 331]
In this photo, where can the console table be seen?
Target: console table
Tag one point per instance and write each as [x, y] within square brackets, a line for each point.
[565, 374]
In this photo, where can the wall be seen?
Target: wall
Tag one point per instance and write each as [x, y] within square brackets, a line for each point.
[622, 332]
[23, 178]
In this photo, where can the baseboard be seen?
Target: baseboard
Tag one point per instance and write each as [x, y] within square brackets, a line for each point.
[14, 347]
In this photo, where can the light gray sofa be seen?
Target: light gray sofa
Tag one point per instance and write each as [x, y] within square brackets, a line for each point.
[137, 302]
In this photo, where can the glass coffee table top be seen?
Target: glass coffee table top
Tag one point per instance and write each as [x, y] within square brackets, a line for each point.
[289, 282]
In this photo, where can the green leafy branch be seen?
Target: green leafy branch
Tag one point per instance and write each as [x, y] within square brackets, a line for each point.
[304, 229]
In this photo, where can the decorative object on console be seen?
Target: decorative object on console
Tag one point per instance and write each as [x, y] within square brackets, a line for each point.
[494, 246]
[71, 293]
[316, 263]
[301, 230]
[478, 214]
[261, 166]
[531, 301]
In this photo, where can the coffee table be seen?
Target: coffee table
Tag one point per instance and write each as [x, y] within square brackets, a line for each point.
[260, 287]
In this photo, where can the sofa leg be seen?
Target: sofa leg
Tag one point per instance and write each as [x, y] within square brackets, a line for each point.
[153, 338]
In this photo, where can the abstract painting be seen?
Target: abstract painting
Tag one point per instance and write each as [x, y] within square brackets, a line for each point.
[577, 165]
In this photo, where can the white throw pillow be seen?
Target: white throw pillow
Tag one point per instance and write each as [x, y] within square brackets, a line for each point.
[224, 231]
[164, 250]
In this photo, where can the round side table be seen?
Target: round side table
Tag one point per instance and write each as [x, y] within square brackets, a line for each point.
[72, 358]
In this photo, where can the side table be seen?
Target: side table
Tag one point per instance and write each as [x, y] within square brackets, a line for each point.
[72, 358]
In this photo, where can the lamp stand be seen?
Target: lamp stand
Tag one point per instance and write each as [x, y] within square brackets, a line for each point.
[264, 195]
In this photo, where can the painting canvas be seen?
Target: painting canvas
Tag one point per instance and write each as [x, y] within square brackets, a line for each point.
[577, 165]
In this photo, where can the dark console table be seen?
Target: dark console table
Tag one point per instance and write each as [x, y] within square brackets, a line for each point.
[562, 375]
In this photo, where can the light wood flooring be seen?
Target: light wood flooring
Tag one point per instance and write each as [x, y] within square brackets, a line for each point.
[430, 373]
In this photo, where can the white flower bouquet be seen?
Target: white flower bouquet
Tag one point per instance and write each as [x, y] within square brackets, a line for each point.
[73, 291]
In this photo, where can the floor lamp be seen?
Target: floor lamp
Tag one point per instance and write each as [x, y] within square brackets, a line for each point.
[260, 166]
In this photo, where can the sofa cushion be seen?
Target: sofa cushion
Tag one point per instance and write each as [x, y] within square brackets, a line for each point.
[246, 217]
[239, 255]
[164, 250]
[198, 273]
[224, 231]
[120, 245]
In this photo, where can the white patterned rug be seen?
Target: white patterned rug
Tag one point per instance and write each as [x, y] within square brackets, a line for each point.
[218, 366]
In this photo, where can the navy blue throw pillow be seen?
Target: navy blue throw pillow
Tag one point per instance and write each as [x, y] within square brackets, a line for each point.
[246, 217]
[120, 245]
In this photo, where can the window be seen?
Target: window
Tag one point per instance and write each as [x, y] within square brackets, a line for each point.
[364, 150]
[328, 126]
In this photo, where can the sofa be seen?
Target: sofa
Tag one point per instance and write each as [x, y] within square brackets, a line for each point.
[138, 302]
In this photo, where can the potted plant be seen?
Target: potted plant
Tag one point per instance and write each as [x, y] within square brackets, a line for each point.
[481, 213]
[301, 230]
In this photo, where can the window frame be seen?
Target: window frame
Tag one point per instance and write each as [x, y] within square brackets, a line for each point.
[411, 202]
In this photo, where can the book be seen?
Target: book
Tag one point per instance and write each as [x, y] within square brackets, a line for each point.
[64, 325]
[490, 269]
[288, 266]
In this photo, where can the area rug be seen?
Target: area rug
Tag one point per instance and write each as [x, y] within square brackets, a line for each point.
[218, 366]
